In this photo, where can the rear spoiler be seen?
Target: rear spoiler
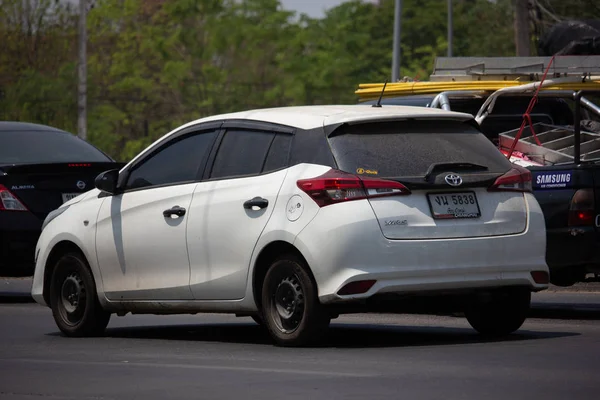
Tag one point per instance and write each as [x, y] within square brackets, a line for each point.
[337, 128]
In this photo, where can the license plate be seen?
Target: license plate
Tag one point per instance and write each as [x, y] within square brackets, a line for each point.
[68, 196]
[454, 205]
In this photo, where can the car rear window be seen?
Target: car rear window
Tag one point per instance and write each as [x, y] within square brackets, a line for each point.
[25, 147]
[408, 148]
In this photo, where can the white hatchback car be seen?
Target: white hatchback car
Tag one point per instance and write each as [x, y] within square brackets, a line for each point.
[295, 215]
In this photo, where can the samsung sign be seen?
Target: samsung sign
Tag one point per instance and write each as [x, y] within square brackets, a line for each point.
[553, 180]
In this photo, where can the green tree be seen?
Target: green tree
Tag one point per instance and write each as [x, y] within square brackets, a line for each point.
[36, 74]
[156, 64]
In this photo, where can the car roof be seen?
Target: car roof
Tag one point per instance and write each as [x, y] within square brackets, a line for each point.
[310, 117]
[13, 126]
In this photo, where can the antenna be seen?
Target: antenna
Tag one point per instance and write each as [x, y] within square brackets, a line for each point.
[378, 104]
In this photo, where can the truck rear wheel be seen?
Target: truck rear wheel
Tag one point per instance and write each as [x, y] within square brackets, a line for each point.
[499, 313]
[566, 277]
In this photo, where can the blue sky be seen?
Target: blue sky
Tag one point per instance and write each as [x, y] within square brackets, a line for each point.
[314, 8]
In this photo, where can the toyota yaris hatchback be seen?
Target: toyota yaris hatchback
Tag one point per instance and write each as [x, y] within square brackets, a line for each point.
[295, 215]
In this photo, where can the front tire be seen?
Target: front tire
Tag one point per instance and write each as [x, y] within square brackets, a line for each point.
[500, 313]
[74, 300]
[291, 310]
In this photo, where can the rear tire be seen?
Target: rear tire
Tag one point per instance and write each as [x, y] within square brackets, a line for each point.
[499, 314]
[291, 310]
[566, 277]
[74, 300]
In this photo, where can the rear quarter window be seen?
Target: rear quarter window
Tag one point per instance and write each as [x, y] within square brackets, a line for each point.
[279, 153]
[408, 148]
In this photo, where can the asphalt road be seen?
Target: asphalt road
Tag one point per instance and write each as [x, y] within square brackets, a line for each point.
[364, 357]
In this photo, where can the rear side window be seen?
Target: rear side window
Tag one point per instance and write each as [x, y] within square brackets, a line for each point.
[311, 147]
[28, 147]
[408, 148]
[279, 153]
[177, 162]
[242, 152]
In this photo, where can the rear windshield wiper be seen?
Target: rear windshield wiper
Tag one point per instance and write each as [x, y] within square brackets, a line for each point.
[453, 166]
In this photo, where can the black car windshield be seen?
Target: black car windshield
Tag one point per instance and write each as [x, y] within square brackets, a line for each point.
[45, 146]
[409, 148]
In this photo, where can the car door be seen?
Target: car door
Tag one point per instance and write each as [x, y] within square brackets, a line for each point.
[231, 208]
[141, 233]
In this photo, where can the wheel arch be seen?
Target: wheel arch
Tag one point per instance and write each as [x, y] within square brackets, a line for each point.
[266, 257]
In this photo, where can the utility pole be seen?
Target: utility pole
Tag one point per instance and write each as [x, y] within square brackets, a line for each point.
[82, 73]
[450, 28]
[522, 37]
[396, 55]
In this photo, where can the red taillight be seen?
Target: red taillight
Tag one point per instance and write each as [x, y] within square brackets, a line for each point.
[382, 187]
[581, 218]
[8, 201]
[518, 179]
[337, 186]
[357, 287]
[581, 210]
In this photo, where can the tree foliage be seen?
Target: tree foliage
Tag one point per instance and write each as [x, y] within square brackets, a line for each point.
[155, 64]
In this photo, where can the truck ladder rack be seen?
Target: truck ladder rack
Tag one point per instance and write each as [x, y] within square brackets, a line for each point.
[527, 69]
[558, 144]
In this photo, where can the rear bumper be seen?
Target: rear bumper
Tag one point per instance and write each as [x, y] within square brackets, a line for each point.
[572, 247]
[356, 250]
[19, 232]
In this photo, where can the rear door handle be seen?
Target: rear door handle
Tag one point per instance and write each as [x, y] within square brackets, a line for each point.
[176, 210]
[256, 202]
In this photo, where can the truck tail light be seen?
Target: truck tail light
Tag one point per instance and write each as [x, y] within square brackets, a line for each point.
[581, 210]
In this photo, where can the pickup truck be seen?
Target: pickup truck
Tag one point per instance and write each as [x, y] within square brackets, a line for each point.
[559, 141]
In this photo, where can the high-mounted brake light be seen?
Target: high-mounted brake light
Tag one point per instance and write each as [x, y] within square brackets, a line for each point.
[8, 201]
[518, 179]
[581, 210]
[337, 186]
[79, 165]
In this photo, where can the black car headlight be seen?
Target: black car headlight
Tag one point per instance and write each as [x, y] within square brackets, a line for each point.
[54, 214]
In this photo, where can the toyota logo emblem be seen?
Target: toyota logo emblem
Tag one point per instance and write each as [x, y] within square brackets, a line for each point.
[453, 180]
[81, 185]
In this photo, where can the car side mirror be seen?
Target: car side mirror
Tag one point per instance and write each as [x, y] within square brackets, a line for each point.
[107, 181]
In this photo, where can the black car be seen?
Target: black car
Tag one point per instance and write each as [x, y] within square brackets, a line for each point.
[40, 168]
